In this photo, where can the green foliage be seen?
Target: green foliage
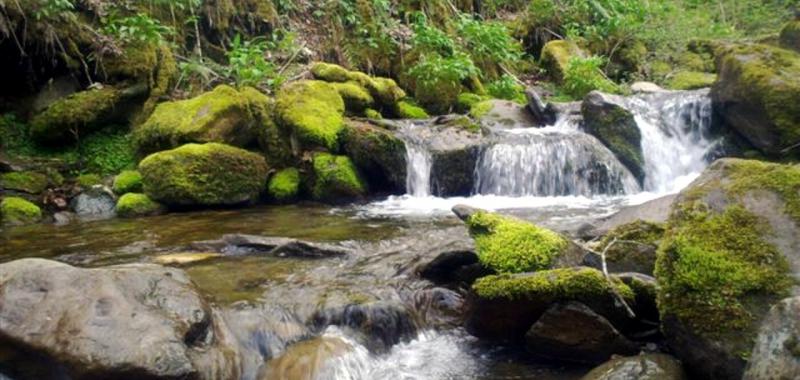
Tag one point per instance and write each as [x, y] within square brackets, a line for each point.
[133, 205]
[488, 42]
[137, 28]
[18, 211]
[507, 88]
[248, 66]
[49, 9]
[129, 181]
[584, 75]
[284, 185]
[107, 151]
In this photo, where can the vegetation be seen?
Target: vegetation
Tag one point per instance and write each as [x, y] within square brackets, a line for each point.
[284, 185]
[135, 205]
[17, 211]
[551, 285]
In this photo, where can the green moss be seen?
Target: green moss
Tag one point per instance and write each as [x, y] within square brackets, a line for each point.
[506, 244]
[207, 175]
[465, 123]
[330, 72]
[409, 110]
[89, 180]
[751, 175]
[790, 36]
[370, 113]
[133, 205]
[336, 177]
[638, 232]
[551, 285]
[694, 62]
[466, 100]
[138, 62]
[616, 128]
[129, 181]
[78, 113]
[17, 211]
[691, 80]
[384, 90]
[356, 98]
[107, 151]
[28, 182]
[480, 109]
[284, 185]
[556, 55]
[313, 111]
[273, 140]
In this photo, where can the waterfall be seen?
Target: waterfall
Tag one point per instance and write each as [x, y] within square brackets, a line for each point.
[418, 163]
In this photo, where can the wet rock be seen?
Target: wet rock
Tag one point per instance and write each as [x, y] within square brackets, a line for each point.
[644, 288]
[733, 239]
[646, 88]
[97, 203]
[629, 248]
[606, 118]
[654, 211]
[439, 307]
[776, 353]
[379, 325]
[306, 360]
[184, 258]
[454, 267]
[240, 244]
[454, 152]
[573, 332]
[538, 108]
[100, 312]
[641, 367]
[504, 114]
[378, 154]
[64, 217]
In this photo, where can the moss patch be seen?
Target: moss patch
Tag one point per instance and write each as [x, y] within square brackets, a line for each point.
[284, 185]
[28, 182]
[313, 111]
[507, 244]
[691, 80]
[408, 110]
[336, 178]
[384, 90]
[556, 55]
[481, 109]
[89, 180]
[550, 285]
[129, 181]
[80, 112]
[356, 98]
[784, 180]
[133, 205]
[634, 233]
[17, 211]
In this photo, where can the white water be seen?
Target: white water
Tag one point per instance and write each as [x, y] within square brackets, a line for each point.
[418, 163]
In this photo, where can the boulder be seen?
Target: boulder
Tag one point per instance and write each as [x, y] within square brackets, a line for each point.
[634, 247]
[790, 36]
[572, 332]
[313, 111]
[454, 267]
[509, 245]
[356, 98]
[384, 90]
[641, 367]
[284, 186]
[605, 117]
[556, 55]
[378, 154]
[504, 114]
[336, 179]
[776, 353]
[655, 211]
[132, 321]
[26, 182]
[204, 175]
[757, 93]
[133, 205]
[18, 211]
[454, 144]
[129, 181]
[731, 251]
[504, 307]
[96, 203]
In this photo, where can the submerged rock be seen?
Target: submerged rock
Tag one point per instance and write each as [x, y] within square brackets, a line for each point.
[730, 253]
[239, 244]
[306, 360]
[454, 267]
[573, 332]
[204, 175]
[641, 367]
[776, 353]
[380, 325]
[86, 321]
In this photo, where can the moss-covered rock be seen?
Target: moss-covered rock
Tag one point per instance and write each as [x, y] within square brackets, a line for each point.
[606, 118]
[26, 182]
[313, 111]
[509, 245]
[223, 115]
[78, 113]
[356, 97]
[727, 256]
[408, 110]
[506, 306]
[384, 90]
[132, 205]
[556, 55]
[129, 181]
[691, 80]
[378, 154]
[284, 186]
[88, 180]
[466, 100]
[274, 141]
[18, 211]
[209, 174]
[336, 178]
[790, 36]
[634, 247]
[370, 113]
[757, 94]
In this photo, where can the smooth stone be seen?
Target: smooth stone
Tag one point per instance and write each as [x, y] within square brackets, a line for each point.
[641, 367]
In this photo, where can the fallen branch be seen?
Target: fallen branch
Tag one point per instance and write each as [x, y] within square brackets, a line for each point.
[618, 296]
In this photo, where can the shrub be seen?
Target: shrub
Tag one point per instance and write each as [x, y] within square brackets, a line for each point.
[583, 75]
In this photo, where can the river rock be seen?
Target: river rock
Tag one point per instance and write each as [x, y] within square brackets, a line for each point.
[130, 321]
[307, 360]
[241, 244]
[756, 95]
[776, 353]
[606, 117]
[379, 325]
[646, 88]
[641, 367]
[450, 267]
[378, 154]
[573, 332]
[96, 203]
[629, 248]
[654, 211]
[731, 251]
[504, 114]
[454, 145]
[538, 108]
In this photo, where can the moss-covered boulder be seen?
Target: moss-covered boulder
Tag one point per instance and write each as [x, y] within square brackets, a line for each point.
[509, 245]
[506, 306]
[630, 247]
[691, 80]
[502, 114]
[408, 110]
[790, 36]
[284, 186]
[274, 141]
[384, 90]
[313, 111]
[729, 253]
[224, 115]
[336, 179]
[129, 181]
[77, 114]
[209, 174]
[556, 55]
[378, 154]
[17, 211]
[88, 180]
[132, 205]
[605, 117]
[26, 182]
[757, 94]
[356, 98]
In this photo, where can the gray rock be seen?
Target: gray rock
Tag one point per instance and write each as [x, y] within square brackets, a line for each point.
[776, 353]
[573, 332]
[646, 88]
[378, 154]
[97, 203]
[507, 115]
[538, 108]
[241, 244]
[454, 267]
[641, 367]
[654, 211]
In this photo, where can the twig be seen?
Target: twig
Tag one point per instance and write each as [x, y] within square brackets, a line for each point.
[291, 59]
[611, 283]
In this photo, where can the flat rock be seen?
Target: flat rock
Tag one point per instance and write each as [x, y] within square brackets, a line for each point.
[641, 367]
[240, 244]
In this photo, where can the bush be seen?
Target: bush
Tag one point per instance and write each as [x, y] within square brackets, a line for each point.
[583, 75]
[507, 88]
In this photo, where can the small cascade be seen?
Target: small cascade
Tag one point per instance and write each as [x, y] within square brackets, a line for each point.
[418, 161]
[675, 128]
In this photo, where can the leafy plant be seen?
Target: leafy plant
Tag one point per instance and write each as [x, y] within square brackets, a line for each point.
[584, 75]
[506, 88]
[137, 28]
[488, 42]
[435, 70]
[48, 9]
[247, 64]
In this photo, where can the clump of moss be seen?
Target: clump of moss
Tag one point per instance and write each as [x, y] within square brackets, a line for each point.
[330, 72]
[638, 232]
[356, 98]
[313, 110]
[384, 90]
[556, 56]
[77, 113]
[89, 180]
[752, 175]
[284, 185]
[336, 178]
[408, 110]
[370, 113]
[691, 80]
[129, 181]
[551, 285]
[481, 109]
[204, 175]
[28, 182]
[467, 100]
[273, 140]
[18, 211]
[507, 244]
[133, 205]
